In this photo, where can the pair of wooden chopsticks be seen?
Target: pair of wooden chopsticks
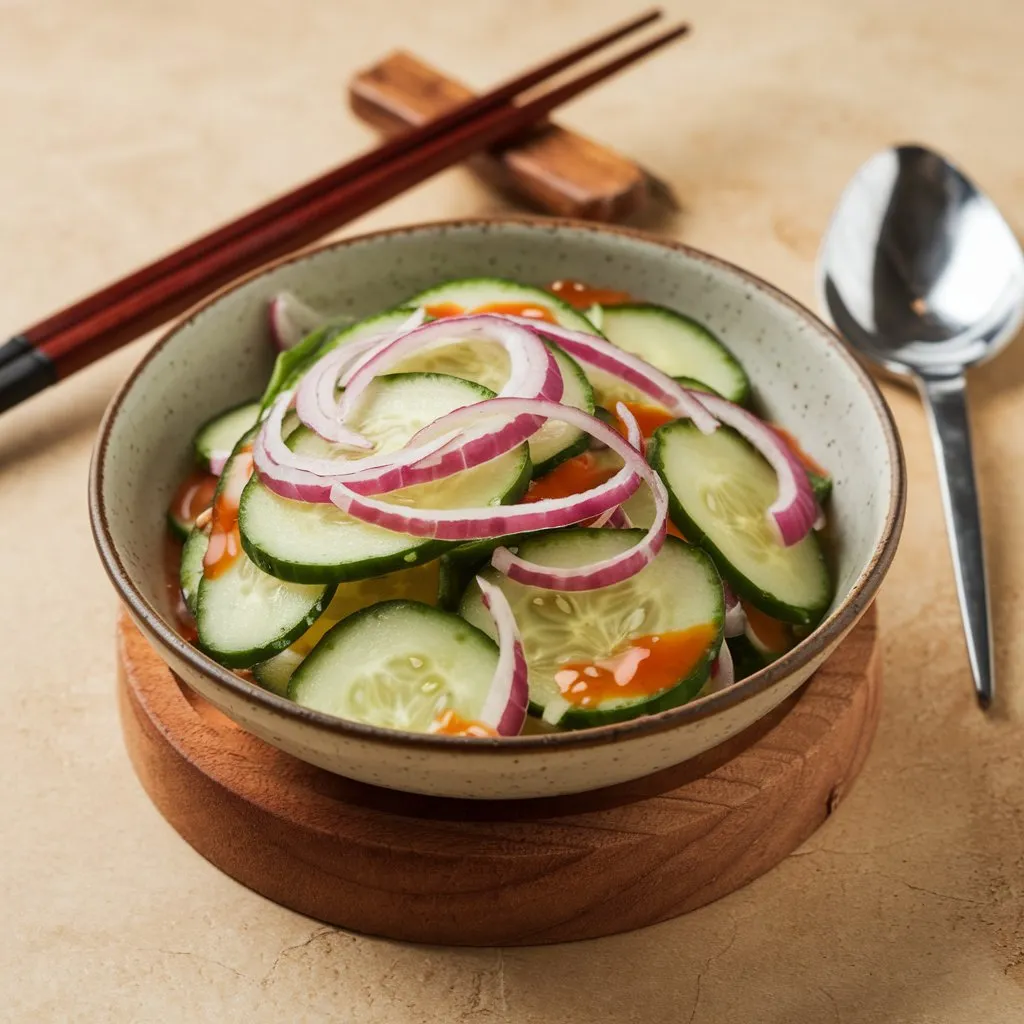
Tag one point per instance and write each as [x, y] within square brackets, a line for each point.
[97, 325]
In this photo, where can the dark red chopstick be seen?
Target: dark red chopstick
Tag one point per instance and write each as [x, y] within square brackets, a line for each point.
[123, 311]
[327, 182]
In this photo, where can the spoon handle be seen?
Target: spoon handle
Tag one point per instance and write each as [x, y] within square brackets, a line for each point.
[946, 401]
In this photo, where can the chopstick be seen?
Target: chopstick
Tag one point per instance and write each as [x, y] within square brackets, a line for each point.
[95, 326]
[377, 157]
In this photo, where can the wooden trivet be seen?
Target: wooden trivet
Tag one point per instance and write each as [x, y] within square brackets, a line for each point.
[550, 168]
[468, 872]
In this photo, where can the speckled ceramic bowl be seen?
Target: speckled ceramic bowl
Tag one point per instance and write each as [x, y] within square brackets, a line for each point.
[220, 354]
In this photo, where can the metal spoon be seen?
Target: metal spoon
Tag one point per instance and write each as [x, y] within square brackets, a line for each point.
[922, 275]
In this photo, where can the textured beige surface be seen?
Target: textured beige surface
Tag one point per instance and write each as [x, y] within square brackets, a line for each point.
[128, 127]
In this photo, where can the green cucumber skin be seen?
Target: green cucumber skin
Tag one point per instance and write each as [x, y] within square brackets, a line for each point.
[302, 572]
[337, 335]
[326, 644]
[583, 443]
[267, 674]
[742, 395]
[821, 485]
[191, 567]
[253, 656]
[178, 528]
[743, 587]
[746, 658]
[578, 447]
[198, 440]
[573, 317]
[698, 385]
[460, 565]
[683, 691]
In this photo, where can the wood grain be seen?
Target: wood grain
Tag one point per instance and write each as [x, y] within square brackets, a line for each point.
[503, 872]
[555, 170]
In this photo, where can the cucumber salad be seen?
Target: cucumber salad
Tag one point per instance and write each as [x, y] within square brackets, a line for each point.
[498, 509]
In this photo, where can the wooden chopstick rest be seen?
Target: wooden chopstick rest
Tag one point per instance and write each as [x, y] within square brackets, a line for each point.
[551, 168]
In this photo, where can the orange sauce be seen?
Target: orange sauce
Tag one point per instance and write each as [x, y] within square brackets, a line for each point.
[529, 310]
[451, 723]
[194, 495]
[172, 575]
[802, 457]
[646, 665]
[573, 476]
[225, 539]
[775, 635]
[648, 418]
[583, 296]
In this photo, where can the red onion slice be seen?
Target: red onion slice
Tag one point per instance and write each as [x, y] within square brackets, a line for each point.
[218, 460]
[507, 699]
[291, 320]
[735, 616]
[533, 371]
[480, 523]
[723, 672]
[602, 354]
[610, 570]
[795, 510]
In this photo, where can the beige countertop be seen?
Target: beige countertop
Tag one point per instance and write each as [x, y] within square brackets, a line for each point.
[129, 127]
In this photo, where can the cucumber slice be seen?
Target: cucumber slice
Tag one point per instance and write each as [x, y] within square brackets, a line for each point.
[178, 528]
[398, 665]
[676, 345]
[243, 616]
[821, 485]
[696, 385]
[291, 364]
[477, 294]
[678, 591]
[720, 488]
[309, 543]
[191, 572]
[222, 433]
[381, 323]
[486, 363]
[419, 584]
[275, 674]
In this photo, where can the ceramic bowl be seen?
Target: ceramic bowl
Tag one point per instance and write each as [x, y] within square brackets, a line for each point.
[220, 354]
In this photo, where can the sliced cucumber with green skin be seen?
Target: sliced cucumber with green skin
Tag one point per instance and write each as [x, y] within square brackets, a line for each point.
[178, 528]
[380, 324]
[720, 489]
[460, 564]
[291, 364]
[221, 433]
[679, 590]
[746, 658]
[419, 584]
[676, 345]
[821, 485]
[696, 385]
[275, 674]
[191, 572]
[398, 665]
[486, 363]
[309, 543]
[472, 293]
[243, 616]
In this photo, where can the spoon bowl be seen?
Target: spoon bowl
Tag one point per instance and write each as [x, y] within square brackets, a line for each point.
[922, 275]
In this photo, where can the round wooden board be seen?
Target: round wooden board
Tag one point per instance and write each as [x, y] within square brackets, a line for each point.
[480, 873]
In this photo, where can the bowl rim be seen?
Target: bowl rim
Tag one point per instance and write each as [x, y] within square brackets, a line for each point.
[829, 631]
